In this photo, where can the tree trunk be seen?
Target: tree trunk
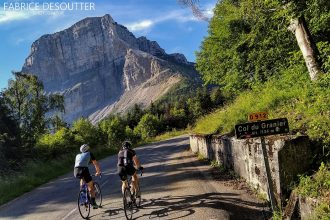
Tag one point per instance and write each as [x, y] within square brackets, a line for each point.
[307, 46]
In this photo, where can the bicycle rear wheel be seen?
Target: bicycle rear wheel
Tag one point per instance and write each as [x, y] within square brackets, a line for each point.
[98, 194]
[83, 204]
[128, 204]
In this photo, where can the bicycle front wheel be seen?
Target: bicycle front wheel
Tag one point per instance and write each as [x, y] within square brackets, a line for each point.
[83, 204]
[128, 204]
[98, 194]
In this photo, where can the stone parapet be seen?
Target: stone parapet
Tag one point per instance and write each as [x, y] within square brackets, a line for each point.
[288, 156]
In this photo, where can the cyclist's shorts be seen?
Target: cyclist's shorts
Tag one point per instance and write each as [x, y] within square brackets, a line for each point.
[124, 171]
[82, 173]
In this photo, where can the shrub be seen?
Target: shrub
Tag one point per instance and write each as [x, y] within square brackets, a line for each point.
[148, 126]
[317, 186]
[114, 130]
[85, 132]
[53, 145]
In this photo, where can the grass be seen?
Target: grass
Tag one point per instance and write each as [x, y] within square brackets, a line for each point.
[317, 186]
[277, 215]
[201, 157]
[34, 174]
[170, 134]
[322, 211]
[164, 136]
[215, 164]
[294, 96]
[209, 124]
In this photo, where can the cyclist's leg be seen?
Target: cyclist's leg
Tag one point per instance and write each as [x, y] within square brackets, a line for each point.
[123, 185]
[78, 173]
[92, 192]
[135, 182]
[123, 176]
[91, 188]
[88, 179]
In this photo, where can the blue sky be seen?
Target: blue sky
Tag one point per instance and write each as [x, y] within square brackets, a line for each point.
[165, 21]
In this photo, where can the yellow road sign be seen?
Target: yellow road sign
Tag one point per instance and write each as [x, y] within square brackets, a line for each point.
[258, 116]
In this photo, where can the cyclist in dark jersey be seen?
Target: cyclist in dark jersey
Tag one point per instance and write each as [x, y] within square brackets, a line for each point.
[126, 160]
[81, 170]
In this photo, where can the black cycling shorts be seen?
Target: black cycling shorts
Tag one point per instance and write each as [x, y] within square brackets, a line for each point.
[124, 171]
[82, 173]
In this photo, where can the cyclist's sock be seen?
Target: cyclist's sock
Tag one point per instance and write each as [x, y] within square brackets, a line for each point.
[94, 203]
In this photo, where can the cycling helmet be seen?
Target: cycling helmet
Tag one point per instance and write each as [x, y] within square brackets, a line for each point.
[84, 148]
[126, 145]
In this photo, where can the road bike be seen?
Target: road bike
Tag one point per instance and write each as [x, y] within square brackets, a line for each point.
[84, 199]
[131, 199]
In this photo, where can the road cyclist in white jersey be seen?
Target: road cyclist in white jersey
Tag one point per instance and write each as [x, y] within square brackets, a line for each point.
[81, 170]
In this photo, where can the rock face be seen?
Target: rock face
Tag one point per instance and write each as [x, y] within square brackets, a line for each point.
[101, 68]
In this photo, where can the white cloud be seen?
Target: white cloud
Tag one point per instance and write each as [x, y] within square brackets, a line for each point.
[209, 11]
[8, 16]
[176, 15]
[19, 41]
[139, 26]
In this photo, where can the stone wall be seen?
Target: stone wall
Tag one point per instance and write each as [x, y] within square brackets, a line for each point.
[307, 206]
[288, 157]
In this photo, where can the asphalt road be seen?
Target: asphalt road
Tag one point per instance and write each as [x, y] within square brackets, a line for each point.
[175, 185]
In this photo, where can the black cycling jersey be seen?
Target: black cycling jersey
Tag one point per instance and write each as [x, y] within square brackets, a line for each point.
[125, 157]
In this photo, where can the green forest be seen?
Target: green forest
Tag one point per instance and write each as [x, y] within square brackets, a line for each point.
[251, 60]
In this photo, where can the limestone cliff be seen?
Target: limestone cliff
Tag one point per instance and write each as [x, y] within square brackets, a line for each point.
[100, 67]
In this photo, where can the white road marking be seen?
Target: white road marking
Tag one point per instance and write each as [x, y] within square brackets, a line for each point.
[72, 211]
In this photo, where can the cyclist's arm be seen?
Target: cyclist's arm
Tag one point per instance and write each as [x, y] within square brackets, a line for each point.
[136, 162]
[96, 164]
[97, 167]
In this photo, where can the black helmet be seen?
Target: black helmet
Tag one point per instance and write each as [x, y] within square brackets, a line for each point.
[126, 145]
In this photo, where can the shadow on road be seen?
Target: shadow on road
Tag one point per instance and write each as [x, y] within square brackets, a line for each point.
[184, 206]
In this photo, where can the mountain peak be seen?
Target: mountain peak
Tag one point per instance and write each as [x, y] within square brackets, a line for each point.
[94, 62]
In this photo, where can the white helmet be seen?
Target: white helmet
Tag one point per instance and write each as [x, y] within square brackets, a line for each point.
[84, 148]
